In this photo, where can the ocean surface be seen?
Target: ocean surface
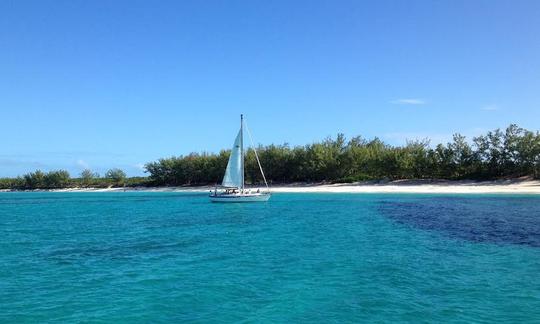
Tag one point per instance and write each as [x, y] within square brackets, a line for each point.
[330, 258]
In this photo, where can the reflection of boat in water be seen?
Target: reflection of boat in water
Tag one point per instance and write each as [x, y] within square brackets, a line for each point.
[232, 187]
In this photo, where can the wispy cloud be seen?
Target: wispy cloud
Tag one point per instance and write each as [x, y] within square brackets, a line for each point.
[12, 167]
[20, 163]
[82, 164]
[490, 107]
[139, 166]
[408, 101]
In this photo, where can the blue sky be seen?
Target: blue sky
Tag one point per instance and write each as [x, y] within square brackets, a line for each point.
[104, 84]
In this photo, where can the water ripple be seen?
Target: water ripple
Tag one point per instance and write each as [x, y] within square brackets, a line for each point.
[342, 258]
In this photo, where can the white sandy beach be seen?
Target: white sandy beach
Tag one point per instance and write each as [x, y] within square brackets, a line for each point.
[458, 187]
[403, 186]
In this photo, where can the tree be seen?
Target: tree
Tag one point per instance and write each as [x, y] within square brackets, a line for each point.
[34, 180]
[12, 183]
[57, 179]
[87, 176]
[117, 176]
[514, 152]
[528, 154]
[463, 157]
[496, 153]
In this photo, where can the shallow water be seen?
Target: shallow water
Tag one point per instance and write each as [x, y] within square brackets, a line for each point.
[161, 257]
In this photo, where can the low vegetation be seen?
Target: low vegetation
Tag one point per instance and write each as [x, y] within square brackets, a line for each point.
[511, 153]
[498, 154]
[61, 179]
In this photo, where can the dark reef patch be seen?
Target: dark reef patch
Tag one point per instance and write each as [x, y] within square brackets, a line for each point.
[495, 219]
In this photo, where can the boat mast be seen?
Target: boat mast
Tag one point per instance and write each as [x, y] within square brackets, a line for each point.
[242, 147]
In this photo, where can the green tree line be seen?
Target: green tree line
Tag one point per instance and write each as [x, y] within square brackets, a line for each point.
[511, 153]
[61, 179]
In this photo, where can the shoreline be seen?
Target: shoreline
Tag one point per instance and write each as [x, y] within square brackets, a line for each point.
[400, 186]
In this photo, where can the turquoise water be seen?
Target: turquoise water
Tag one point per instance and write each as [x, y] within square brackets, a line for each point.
[162, 257]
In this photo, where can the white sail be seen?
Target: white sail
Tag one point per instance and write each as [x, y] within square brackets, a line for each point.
[234, 173]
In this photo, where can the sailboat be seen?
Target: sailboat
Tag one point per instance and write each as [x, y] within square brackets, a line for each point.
[232, 187]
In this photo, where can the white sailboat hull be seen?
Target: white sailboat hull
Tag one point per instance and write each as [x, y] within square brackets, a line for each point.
[234, 180]
[238, 197]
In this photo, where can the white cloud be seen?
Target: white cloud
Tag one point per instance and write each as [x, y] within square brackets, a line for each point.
[139, 166]
[490, 108]
[409, 101]
[82, 164]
